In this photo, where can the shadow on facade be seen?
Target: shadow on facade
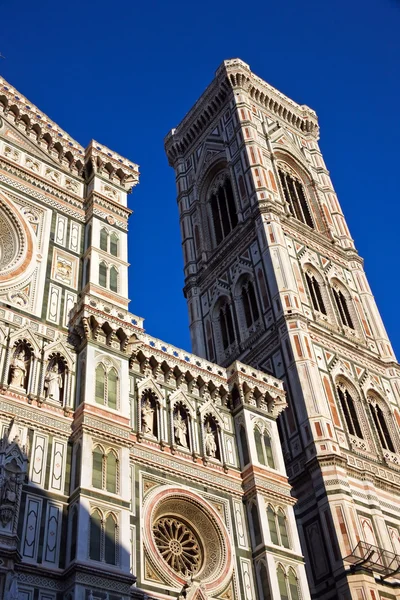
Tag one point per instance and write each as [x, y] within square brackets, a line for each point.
[56, 546]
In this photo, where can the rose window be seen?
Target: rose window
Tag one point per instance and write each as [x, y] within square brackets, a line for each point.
[185, 537]
[178, 545]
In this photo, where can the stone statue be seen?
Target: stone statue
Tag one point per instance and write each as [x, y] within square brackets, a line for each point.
[8, 497]
[180, 430]
[18, 370]
[147, 417]
[12, 593]
[210, 442]
[53, 383]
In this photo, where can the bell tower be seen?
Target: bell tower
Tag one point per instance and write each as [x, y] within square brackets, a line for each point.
[273, 279]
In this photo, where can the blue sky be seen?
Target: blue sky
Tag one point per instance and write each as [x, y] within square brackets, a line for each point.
[126, 73]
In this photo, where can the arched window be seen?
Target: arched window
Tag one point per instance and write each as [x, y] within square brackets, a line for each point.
[381, 427]
[226, 324]
[107, 386]
[259, 446]
[100, 384]
[293, 586]
[278, 527]
[264, 448]
[74, 534]
[112, 389]
[104, 240]
[110, 541]
[243, 445]
[77, 472]
[256, 525]
[103, 274]
[282, 525]
[113, 279]
[349, 411]
[296, 198]
[343, 308]
[315, 293]
[105, 470]
[103, 538]
[250, 306]
[95, 535]
[97, 468]
[264, 581]
[114, 244]
[87, 271]
[288, 584]
[111, 473]
[268, 451]
[282, 584]
[223, 210]
[273, 531]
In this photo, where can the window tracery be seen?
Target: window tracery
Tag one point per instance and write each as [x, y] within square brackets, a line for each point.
[103, 537]
[109, 242]
[295, 196]
[277, 523]
[178, 545]
[349, 410]
[107, 386]
[342, 306]
[314, 290]
[250, 306]
[226, 323]
[288, 584]
[108, 277]
[381, 421]
[105, 470]
[264, 447]
[223, 208]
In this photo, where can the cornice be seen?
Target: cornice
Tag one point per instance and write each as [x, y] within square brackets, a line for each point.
[232, 75]
[48, 136]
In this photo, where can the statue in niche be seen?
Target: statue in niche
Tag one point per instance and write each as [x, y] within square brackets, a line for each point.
[18, 369]
[53, 383]
[180, 430]
[147, 417]
[12, 593]
[210, 441]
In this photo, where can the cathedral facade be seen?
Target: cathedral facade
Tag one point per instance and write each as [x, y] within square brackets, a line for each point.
[273, 279]
[128, 468]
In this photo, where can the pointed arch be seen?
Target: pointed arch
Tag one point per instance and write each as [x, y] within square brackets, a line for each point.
[110, 539]
[346, 394]
[100, 384]
[273, 530]
[112, 472]
[383, 420]
[114, 244]
[112, 388]
[316, 290]
[295, 195]
[104, 239]
[98, 467]
[96, 522]
[114, 276]
[344, 304]
[103, 274]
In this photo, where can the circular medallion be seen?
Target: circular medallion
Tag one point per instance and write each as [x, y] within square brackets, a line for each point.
[16, 242]
[184, 536]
